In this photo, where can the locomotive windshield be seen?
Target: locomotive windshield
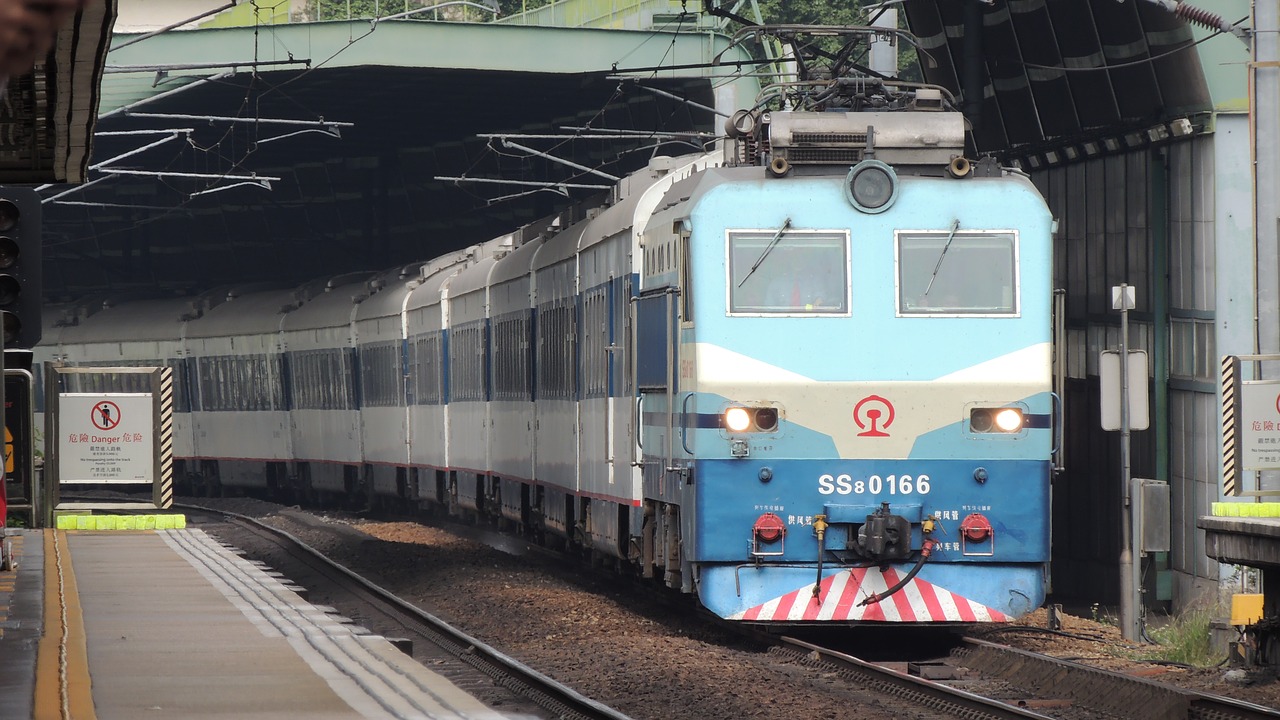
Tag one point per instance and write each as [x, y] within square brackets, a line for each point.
[957, 273]
[788, 273]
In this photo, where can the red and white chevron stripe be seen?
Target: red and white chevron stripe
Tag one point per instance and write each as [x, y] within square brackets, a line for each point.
[839, 595]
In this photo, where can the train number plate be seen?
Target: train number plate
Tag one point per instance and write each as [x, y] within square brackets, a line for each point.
[874, 485]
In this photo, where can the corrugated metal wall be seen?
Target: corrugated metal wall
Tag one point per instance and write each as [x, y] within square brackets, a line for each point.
[1194, 410]
[1135, 218]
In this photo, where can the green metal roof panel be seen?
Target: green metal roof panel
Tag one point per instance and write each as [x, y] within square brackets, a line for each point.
[426, 44]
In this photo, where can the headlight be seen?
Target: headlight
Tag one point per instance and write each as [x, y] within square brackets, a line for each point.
[871, 186]
[995, 420]
[750, 419]
[1009, 420]
[737, 419]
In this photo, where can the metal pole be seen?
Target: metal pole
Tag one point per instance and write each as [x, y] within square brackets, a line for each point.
[1129, 562]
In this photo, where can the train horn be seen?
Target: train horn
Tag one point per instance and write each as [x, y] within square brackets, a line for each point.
[778, 167]
[959, 167]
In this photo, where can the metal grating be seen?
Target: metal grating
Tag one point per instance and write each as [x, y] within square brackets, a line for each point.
[810, 138]
[821, 155]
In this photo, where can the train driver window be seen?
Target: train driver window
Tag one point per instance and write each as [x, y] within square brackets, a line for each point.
[957, 273]
[773, 272]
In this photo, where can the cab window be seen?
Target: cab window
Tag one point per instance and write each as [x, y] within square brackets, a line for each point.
[957, 273]
[788, 273]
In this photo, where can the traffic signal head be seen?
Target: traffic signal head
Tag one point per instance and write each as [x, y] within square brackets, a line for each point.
[20, 292]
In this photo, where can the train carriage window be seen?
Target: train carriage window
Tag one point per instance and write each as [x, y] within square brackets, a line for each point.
[957, 273]
[511, 357]
[467, 363]
[428, 380]
[382, 376]
[686, 280]
[557, 350]
[785, 272]
[595, 330]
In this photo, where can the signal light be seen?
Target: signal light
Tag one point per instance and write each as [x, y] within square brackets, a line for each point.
[750, 419]
[9, 215]
[995, 420]
[737, 419]
[9, 250]
[20, 267]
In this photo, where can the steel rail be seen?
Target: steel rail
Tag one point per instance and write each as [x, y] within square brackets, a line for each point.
[952, 701]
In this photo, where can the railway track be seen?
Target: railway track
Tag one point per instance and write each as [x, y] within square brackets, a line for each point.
[940, 697]
[1066, 689]
[913, 691]
[1101, 690]
[555, 699]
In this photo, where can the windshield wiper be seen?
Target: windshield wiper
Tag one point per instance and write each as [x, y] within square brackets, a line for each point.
[776, 237]
[955, 225]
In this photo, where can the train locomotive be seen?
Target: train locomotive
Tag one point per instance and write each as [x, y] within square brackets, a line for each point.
[805, 376]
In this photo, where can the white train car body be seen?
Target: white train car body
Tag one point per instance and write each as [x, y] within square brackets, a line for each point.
[318, 341]
[240, 423]
[555, 390]
[467, 425]
[383, 364]
[512, 448]
[425, 319]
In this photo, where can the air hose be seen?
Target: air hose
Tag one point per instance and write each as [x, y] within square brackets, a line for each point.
[926, 549]
[820, 528]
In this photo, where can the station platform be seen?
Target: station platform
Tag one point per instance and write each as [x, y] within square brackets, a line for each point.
[121, 625]
[1251, 541]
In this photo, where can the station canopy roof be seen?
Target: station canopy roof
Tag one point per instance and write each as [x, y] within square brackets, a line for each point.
[286, 152]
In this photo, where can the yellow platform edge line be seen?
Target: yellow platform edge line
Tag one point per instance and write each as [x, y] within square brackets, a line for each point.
[149, 521]
[1245, 509]
[48, 695]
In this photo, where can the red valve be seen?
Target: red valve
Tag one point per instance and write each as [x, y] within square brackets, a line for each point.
[769, 528]
[976, 527]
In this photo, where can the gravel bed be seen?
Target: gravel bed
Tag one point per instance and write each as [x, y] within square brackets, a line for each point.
[646, 659]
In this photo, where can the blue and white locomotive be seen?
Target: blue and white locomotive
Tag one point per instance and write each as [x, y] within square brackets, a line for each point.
[806, 376]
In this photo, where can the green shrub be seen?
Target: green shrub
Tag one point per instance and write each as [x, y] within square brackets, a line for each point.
[1185, 639]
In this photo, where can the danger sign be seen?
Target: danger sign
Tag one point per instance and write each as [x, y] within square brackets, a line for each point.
[106, 438]
[1259, 425]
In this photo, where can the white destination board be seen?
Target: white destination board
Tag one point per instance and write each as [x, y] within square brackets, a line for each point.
[1260, 425]
[106, 438]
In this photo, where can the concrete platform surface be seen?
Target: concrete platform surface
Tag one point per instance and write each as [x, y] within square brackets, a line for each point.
[171, 624]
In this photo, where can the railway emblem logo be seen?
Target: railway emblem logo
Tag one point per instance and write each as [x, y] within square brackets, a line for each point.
[873, 414]
[105, 415]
